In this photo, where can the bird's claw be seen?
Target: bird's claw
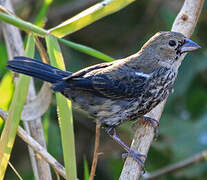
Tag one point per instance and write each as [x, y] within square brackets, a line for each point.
[124, 155]
[149, 121]
[136, 156]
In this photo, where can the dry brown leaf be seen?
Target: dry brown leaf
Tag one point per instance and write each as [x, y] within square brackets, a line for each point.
[37, 107]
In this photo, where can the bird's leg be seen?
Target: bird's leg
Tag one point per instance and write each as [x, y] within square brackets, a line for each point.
[136, 156]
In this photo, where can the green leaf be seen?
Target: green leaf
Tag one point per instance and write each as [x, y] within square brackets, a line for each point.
[86, 50]
[89, 16]
[86, 171]
[14, 20]
[40, 20]
[9, 132]
[3, 58]
[64, 109]
[6, 91]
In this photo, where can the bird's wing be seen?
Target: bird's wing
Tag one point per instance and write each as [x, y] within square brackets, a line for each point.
[84, 71]
[130, 86]
[120, 84]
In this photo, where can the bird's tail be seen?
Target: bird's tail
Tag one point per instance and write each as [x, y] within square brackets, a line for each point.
[38, 69]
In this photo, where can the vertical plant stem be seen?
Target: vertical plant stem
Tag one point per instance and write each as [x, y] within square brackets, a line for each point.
[64, 109]
[95, 154]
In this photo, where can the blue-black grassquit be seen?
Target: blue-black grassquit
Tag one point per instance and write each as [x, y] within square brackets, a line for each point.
[118, 91]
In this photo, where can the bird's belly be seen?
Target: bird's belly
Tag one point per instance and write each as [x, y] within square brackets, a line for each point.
[148, 103]
[98, 107]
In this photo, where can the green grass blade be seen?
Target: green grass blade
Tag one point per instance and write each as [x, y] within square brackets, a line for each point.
[86, 171]
[14, 20]
[86, 50]
[6, 93]
[40, 20]
[6, 90]
[17, 105]
[4, 58]
[24, 25]
[64, 113]
[89, 16]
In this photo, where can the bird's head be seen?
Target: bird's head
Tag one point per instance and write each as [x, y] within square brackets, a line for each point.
[168, 46]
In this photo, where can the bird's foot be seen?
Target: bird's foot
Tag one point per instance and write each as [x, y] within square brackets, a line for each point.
[139, 158]
[145, 120]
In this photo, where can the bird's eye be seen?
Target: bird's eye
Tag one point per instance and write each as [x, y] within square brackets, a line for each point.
[172, 43]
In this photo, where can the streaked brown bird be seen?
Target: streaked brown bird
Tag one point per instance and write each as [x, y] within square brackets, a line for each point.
[118, 91]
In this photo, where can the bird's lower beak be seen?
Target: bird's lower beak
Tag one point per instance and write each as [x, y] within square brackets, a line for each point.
[189, 46]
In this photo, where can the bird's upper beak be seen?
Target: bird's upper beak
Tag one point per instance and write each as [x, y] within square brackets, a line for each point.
[188, 46]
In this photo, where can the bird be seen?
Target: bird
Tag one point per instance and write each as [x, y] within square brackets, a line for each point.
[119, 91]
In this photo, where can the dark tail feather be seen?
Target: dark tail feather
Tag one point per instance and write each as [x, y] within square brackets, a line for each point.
[36, 69]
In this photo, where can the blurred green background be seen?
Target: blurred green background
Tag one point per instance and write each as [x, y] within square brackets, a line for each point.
[183, 126]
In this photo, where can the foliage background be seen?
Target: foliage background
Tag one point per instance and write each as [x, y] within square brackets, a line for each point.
[182, 130]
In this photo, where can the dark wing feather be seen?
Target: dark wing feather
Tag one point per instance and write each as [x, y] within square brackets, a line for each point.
[77, 80]
[84, 71]
[120, 88]
[117, 84]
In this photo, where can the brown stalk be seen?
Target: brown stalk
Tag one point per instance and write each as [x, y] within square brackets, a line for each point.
[198, 158]
[95, 154]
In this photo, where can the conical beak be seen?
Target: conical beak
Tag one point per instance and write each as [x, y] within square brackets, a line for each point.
[189, 46]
